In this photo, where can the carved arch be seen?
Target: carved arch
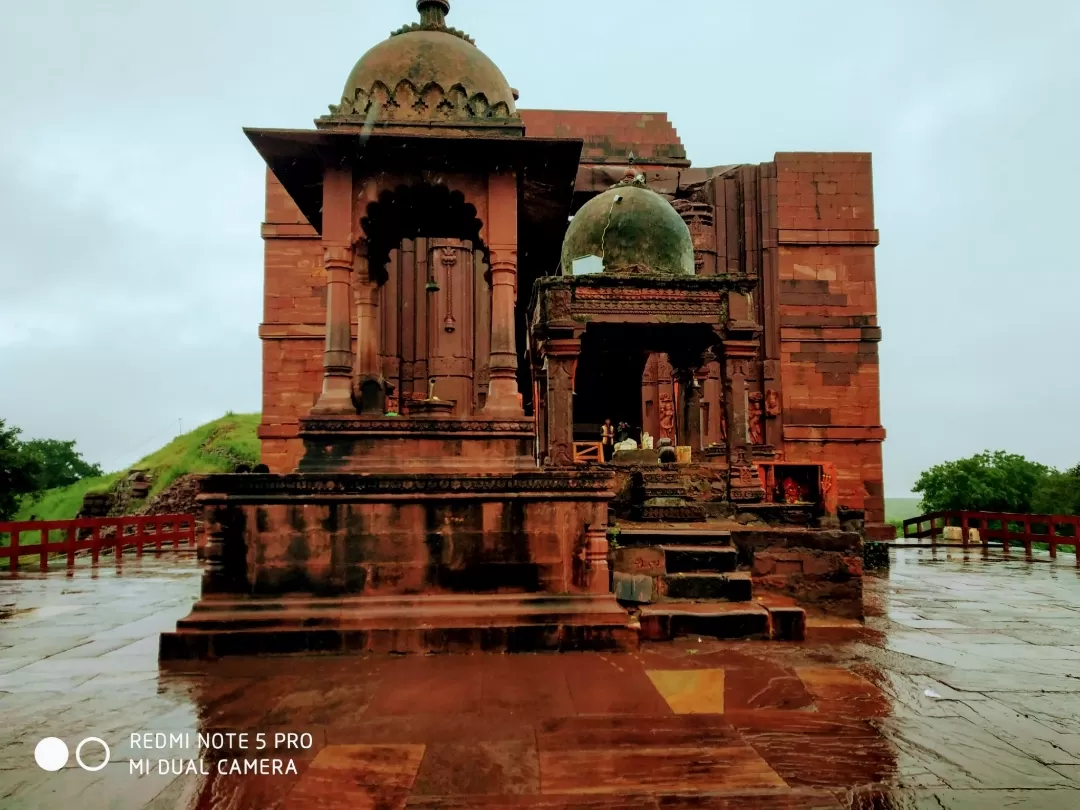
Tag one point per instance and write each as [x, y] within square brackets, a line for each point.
[414, 211]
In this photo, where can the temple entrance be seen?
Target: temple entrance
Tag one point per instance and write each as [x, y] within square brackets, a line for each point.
[608, 381]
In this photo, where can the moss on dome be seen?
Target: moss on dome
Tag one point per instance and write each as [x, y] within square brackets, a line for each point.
[633, 230]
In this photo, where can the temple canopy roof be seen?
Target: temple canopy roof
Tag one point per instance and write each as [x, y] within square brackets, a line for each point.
[628, 229]
[426, 73]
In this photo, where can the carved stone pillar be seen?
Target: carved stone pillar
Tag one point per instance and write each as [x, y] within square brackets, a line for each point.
[336, 394]
[690, 409]
[540, 410]
[337, 239]
[502, 399]
[560, 365]
[597, 573]
[700, 219]
[736, 401]
[714, 422]
[743, 480]
[369, 387]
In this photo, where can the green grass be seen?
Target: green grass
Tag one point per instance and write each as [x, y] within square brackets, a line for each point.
[898, 510]
[217, 446]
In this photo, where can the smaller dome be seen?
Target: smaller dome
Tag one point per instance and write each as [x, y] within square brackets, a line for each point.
[631, 229]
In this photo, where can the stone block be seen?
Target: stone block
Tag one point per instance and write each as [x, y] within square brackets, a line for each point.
[639, 560]
[633, 587]
[787, 623]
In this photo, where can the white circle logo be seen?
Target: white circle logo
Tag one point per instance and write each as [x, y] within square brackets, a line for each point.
[51, 754]
[78, 754]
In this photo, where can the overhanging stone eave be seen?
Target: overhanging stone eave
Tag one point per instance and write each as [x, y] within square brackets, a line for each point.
[547, 166]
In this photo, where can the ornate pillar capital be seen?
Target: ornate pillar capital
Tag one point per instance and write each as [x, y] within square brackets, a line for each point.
[338, 256]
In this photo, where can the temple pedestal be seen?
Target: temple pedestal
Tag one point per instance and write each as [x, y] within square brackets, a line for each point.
[404, 562]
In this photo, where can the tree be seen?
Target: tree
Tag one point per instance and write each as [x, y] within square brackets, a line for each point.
[19, 471]
[60, 463]
[1058, 493]
[987, 482]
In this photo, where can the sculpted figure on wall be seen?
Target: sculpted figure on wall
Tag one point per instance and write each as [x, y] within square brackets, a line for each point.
[667, 416]
[755, 428]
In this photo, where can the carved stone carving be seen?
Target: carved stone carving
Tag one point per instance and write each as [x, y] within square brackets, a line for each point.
[407, 102]
[309, 484]
[772, 403]
[667, 416]
[700, 219]
[406, 425]
[754, 425]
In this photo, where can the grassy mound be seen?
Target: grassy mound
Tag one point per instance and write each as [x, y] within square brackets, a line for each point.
[217, 446]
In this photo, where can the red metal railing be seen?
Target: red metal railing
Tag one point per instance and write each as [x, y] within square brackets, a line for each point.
[1057, 530]
[95, 535]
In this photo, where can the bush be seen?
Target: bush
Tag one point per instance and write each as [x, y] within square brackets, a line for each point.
[986, 482]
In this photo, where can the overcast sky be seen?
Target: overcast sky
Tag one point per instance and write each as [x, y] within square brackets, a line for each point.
[130, 201]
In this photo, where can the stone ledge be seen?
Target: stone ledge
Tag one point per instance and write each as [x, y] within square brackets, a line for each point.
[834, 433]
[827, 236]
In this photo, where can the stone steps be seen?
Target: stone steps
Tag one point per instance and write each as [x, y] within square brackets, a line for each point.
[732, 587]
[453, 623]
[665, 621]
[690, 559]
[687, 583]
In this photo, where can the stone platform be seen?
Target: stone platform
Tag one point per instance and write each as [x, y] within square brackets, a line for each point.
[401, 624]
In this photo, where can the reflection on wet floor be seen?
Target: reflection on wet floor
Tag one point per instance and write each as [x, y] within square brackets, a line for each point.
[961, 691]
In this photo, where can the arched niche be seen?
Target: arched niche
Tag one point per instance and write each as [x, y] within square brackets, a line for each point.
[426, 252]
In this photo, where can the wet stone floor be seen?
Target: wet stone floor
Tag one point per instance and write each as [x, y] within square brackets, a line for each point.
[962, 691]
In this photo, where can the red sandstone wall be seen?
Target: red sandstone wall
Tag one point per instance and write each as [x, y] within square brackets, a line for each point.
[293, 326]
[827, 312]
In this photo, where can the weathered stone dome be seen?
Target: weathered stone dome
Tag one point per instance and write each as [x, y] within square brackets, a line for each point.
[427, 71]
[632, 229]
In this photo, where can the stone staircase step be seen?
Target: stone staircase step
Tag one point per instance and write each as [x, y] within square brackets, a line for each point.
[674, 537]
[722, 620]
[717, 620]
[732, 587]
[685, 559]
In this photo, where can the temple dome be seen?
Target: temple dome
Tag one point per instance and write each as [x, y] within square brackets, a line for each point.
[427, 71]
[630, 229]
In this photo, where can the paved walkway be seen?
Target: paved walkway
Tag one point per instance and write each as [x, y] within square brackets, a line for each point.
[963, 691]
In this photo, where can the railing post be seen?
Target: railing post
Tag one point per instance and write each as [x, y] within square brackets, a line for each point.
[13, 566]
[118, 553]
[964, 529]
[43, 551]
[95, 543]
[140, 537]
[72, 532]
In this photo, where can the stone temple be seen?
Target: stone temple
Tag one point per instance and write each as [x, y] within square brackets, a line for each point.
[532, 381]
